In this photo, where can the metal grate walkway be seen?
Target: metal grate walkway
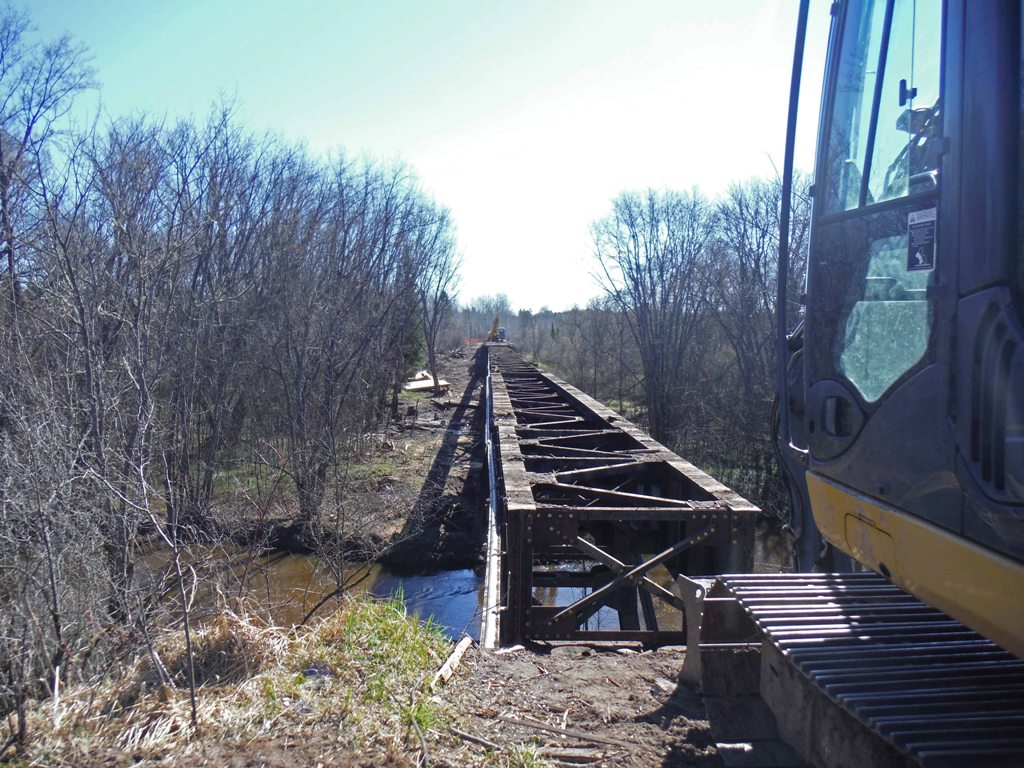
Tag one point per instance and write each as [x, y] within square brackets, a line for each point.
[932, 687]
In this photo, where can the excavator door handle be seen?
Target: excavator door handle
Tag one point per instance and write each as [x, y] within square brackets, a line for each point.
[906, 94]
[837, 421]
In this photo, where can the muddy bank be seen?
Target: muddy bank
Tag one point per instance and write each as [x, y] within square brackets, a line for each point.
[416, 499]
[282, 588]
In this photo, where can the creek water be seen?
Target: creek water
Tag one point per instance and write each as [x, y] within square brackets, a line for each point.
[285, 587]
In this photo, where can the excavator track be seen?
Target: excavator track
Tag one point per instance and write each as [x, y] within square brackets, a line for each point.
[935, 692]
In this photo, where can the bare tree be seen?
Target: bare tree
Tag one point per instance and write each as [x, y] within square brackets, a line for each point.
[42, 473]
[38, 83]
[653, 262]
[743, 304]
[438, 280]
[219, 183]
[343, 301]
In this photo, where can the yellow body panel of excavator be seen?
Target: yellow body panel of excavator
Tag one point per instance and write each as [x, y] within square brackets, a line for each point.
[974, 585]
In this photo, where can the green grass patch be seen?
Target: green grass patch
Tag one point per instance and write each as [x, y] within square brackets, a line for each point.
[375, 468]
[357, 677]
[251, 479]
[405, 396]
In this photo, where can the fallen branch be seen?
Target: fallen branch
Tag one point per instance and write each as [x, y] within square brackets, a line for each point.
[10, 742]
[337, 592]
[509, 649]
[423, 744]
[448, 668]
[474, 739]
[581, 756]
[565, 731]
[416, 427]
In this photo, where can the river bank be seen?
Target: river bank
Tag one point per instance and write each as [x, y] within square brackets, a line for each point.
[359, 687]
[411, 499]
[283, 589]
[346, 689]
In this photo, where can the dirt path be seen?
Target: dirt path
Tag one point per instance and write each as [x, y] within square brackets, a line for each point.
[626, 699]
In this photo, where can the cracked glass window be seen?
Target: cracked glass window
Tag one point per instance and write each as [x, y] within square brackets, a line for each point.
[887, 330]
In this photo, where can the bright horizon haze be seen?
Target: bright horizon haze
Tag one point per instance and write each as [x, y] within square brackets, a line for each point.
[525, 119]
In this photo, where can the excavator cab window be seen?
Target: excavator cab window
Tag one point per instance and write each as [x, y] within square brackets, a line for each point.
[885, 128]
[876, 252]
[851, 116]
[907, 139]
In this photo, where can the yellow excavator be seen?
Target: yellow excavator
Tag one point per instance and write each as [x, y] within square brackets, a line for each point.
[901, 423]
[898, 639]
[496, 333]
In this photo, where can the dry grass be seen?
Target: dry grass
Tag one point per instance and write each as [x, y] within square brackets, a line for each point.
[355, 678]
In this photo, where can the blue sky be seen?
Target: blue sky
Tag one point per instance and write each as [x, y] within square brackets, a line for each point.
[525, 118]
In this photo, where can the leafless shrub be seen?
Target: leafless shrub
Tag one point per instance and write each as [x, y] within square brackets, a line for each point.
[193, 319]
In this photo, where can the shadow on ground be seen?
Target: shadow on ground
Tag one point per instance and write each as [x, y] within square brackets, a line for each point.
[445, 528]
[683, 718]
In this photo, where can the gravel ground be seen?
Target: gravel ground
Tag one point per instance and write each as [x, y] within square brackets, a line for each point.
[626, 700]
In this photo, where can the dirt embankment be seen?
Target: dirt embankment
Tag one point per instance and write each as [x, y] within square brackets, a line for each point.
[444, 528]
[415, 500]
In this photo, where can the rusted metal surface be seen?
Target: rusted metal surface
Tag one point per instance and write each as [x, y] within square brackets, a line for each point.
[490, 620]
[597, 517]
[915, 681]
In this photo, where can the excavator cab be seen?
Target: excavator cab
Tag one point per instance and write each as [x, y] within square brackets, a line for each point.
[902, 396]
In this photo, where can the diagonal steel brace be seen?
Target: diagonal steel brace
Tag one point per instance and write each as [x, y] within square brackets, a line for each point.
[634, 575]
[618, 566]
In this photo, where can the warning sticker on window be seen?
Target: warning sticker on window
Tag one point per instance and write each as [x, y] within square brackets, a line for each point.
[921, 240]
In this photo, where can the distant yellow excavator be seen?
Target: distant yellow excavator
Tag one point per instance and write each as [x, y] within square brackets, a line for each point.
[496, 333]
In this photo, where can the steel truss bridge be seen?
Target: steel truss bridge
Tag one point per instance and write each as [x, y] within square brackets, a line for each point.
[585, 504]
